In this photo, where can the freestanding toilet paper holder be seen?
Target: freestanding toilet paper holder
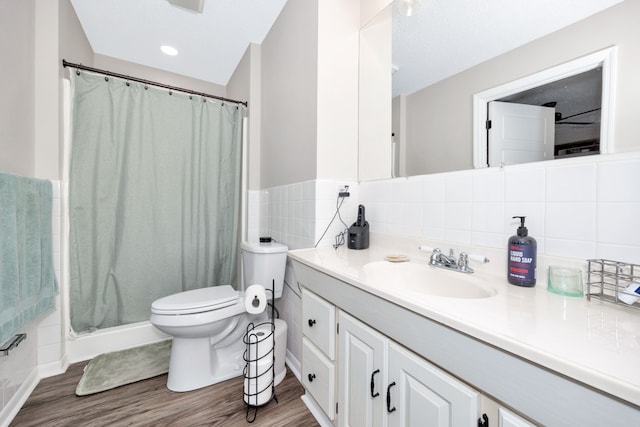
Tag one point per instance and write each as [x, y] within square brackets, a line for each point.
[259, 369]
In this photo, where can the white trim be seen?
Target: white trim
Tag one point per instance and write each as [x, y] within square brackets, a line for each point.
[15, 403]
[54, 368]
[294, 365]
[605, 58]
[316, 410]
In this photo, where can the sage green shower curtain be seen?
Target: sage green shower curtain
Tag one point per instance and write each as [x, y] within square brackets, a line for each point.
[154, 197]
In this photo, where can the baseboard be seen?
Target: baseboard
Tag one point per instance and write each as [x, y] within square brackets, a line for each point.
[316, 411]
[52, 369]
[294, 365]
[11, 408]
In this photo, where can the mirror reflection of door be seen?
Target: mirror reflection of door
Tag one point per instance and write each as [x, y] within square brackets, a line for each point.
[520, 133]
[577, 101]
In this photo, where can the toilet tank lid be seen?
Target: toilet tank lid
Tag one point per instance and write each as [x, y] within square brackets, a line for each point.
[264, 248]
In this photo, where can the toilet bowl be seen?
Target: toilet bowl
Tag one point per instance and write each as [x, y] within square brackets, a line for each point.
[207, 324]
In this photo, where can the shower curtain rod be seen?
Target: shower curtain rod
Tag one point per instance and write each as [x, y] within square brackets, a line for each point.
[66, 63]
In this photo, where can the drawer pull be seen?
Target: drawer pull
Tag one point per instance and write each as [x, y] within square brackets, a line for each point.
[312, 322]
[389, 408]
[373, 383]
[311, 377]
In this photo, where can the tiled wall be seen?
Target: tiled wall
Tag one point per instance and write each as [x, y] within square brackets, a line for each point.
[576, 208]
[298, 214]
[41, 353]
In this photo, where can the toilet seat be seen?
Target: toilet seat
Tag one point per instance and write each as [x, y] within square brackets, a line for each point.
[196, 301]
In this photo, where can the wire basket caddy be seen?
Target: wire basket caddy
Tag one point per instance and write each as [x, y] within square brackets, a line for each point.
[607, 280]
[259, 368]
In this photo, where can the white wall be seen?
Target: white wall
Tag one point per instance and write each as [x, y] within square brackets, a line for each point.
[337, 87]
[289, 96]
[245, 85]
[17, 103]
[439, 119]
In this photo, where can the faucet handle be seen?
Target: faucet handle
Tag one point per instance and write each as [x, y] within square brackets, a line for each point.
[478, 258]
[463, 263]
[425, 248]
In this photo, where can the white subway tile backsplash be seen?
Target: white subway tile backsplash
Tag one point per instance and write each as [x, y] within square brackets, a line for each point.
[457, 216]
[581, 208]
[524, 184]
[433, 215]
[488, 186]
[535, 217]
[579, 249]
[488, 217]
[618, 181]
[491, 240]
[618, 223]
[622, 253]
[571, 183]
[458, 187]
[433, 188]
[458, 236]
[430, 233]
[571, 221]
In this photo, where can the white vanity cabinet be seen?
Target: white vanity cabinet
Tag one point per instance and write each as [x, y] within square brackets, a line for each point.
[362, 364]
[318, 351]
[382, 383]
[507, 418]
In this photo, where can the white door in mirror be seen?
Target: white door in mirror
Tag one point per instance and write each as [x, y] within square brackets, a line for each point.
[520, 133]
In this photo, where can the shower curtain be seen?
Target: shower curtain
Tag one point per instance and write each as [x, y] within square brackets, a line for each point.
[154, 197]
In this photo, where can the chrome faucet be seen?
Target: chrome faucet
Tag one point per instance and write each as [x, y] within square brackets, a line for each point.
[440, 260]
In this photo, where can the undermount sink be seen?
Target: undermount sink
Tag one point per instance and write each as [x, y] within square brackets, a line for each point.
[425, 279]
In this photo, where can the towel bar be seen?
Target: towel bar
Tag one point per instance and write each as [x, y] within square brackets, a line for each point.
[12, 344]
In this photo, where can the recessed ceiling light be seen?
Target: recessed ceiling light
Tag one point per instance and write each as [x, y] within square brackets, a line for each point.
[168, 50]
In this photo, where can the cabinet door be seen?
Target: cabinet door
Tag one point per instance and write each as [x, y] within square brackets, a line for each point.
[419, 394]
[362, 363]
[509, 419]
[319, 322]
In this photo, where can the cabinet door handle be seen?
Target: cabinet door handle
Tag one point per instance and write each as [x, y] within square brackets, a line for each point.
[389, 408]
[373, 383]
[312, 322]
[311, 377]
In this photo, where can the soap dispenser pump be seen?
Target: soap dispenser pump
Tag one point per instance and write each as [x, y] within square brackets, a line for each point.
[522, 254]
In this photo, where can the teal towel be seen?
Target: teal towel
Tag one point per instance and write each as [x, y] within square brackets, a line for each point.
[28, 284]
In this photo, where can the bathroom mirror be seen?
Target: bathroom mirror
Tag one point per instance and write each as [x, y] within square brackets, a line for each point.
[442, 56]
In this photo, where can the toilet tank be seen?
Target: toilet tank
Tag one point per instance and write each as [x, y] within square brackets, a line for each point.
[263, 263]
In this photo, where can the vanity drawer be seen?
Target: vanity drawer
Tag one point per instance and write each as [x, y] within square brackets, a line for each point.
[318, 377]
[318, 323]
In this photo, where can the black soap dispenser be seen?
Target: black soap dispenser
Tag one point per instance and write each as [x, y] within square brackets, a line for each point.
[522, 253]
[359, 232]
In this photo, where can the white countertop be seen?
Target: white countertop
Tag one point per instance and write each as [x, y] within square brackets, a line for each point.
[594, 342]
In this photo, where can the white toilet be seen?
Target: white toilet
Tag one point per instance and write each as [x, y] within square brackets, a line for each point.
[208, 324]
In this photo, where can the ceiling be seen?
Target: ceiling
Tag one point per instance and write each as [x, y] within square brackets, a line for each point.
[210, 44]
[444, 38]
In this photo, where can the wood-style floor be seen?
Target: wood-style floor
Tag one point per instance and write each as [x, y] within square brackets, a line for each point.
[150, 403]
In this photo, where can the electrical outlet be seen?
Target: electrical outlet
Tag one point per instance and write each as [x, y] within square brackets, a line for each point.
[344, 191]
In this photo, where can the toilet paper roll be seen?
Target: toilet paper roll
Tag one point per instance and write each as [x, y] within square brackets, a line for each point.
[255, 299]
[257, 382]
[252, 394]
[260, 342]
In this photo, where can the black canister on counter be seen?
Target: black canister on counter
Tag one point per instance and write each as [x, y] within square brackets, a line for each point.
[359, 232]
